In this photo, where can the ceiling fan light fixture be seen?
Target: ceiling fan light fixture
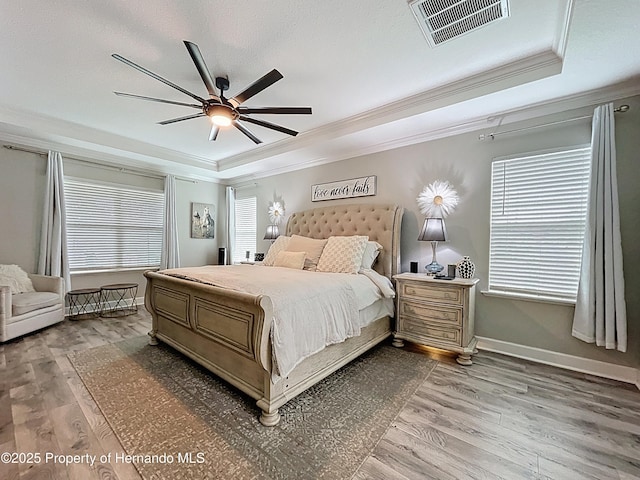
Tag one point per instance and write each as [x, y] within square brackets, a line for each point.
[222, 112]
[220, 115]
[220, 120]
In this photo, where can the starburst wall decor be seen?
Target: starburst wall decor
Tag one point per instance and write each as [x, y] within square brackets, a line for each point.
[438, 199]
[276, 213]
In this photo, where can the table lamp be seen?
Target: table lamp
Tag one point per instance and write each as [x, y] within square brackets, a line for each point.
[433, 231]
[272, 232]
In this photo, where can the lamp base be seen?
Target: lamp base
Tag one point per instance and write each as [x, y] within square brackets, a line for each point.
[433, 268]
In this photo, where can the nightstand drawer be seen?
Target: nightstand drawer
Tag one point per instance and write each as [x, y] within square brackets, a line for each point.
[422, 291]
[432, 313]
[424, 332]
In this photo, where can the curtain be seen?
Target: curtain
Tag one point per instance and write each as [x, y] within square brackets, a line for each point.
[231, 223]
[600, 315]
[54, 259]
[170, 257]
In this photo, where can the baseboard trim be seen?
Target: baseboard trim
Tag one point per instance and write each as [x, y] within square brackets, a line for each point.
[562, 360]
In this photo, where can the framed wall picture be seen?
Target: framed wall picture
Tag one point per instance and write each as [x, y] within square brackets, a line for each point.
[203, 223]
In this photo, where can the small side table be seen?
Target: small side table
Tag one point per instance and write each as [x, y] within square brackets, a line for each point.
[436, 313]
[118, 299]
[84, 303]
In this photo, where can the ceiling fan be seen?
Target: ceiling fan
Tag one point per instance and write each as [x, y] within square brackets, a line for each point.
[222, 111]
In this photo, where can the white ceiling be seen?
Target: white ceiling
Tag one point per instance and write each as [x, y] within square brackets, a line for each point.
[364, 67]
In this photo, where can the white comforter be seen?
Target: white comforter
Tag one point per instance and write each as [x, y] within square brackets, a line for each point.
[311, 309]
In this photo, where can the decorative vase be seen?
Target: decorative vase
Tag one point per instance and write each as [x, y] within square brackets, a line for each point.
[465, 268]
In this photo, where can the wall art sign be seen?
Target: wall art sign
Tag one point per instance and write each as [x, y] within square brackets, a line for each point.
[355, 187]
[202, 223]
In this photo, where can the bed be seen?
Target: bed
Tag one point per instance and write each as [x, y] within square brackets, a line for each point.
[229, 331]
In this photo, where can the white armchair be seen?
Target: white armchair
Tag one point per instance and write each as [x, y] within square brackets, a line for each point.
[24, 313]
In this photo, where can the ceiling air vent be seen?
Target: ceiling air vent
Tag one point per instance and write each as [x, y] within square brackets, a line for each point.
[443, 20]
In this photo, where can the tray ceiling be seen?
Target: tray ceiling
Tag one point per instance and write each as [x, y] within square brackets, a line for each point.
[365, 68]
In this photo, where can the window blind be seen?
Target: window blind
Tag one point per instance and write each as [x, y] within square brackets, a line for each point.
[246, 228]
[538, 217]
[112, 227]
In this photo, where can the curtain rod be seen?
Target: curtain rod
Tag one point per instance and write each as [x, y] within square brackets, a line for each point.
[99, 165]
[491, 136]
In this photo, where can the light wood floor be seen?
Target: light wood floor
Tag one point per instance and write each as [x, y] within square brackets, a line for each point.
[499, 418]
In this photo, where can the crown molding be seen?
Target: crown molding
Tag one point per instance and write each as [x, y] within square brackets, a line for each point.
[46, 128]
[591, 98]
[534, 67]
[156, 167]
[560, 40]
[566, 106]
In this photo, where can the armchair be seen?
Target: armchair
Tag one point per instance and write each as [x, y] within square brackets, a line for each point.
[24, 313]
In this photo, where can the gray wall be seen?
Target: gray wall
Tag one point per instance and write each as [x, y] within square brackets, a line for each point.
[401, 174]
[22, 181]
[465, 161]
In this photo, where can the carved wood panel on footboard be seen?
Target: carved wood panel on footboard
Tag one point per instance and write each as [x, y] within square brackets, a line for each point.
[223, 330]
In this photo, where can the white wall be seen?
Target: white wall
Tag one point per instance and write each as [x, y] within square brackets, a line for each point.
[22, 181]
[465, 161]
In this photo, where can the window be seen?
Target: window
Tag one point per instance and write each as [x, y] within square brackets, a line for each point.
[246, 228]
[538, 216]
[112, 227]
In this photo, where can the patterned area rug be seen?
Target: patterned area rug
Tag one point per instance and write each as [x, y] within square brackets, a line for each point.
[158, 403]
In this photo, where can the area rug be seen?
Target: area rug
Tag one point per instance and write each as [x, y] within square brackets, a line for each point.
[178, 421]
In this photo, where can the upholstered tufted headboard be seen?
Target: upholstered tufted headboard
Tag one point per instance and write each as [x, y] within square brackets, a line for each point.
[380, 223]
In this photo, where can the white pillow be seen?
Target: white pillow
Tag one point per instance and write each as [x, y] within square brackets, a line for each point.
[276, 247]
[383, 283]
[371, 252]
[13, 276]
[290, 259]
[342, 254]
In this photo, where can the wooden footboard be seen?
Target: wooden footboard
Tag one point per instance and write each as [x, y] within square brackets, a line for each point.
[227, 332]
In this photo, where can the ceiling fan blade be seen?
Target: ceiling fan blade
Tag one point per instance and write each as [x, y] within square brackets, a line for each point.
[272, 126]
[244, 130]
[180, 119]
[160, 100]
[276, 110]
[214, 133]
[157, 77]
[204, 72]
[266, 81]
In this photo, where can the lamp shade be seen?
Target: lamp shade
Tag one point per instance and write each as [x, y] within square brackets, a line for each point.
[433, 230]
[272, 232]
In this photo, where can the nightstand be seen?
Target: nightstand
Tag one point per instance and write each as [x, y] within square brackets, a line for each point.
[436, 313]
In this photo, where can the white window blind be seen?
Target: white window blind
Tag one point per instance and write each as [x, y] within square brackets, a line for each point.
[246, 228]
[112, 227]
[538, 215]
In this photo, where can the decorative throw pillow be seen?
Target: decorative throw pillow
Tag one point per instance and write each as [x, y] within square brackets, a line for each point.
[371, 252]
[290, 260]
[343, 254]
[278, 246]
[313, 248]
[13, 276]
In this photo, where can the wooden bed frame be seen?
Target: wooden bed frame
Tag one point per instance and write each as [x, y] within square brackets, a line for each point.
[228, 332]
